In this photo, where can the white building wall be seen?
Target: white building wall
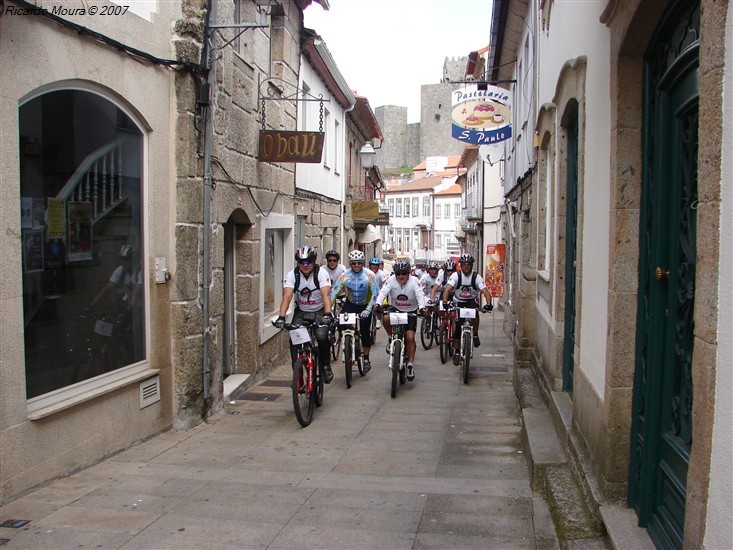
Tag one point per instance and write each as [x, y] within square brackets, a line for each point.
[569, 39]
[327, 177]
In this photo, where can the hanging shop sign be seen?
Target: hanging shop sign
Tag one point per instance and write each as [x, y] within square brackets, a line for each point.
[366, 212]
[494, 270]
[481, 116]
[285, 146]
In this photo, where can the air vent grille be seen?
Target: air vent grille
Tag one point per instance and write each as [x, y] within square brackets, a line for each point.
[149, 392]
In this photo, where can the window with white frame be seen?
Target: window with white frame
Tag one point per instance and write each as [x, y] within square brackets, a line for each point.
[407, 208]
[398, 207]
[390, 204]
[426, 206]
[276, 261]
[438, 239]
[304, 111]
[327, 145]
[457, 210]
[437, 211]
[336, 145]
[545, 208]
[415, 207]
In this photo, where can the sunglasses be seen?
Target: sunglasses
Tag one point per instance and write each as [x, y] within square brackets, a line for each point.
[305, 262]
[357, 263]
[401, 274]
[329, 260]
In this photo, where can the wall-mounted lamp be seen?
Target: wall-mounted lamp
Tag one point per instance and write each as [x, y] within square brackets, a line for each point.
[366, 156]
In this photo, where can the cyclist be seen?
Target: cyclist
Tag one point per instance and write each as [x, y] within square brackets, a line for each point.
[449, 267]
[406, 295]
[313, 288]
[467, 285]
[429, 278]
[377, 267]
[360, 287]
[333, 267]
[375, 264]
[419, 270]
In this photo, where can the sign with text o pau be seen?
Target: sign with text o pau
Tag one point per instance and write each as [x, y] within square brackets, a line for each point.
[286, 146]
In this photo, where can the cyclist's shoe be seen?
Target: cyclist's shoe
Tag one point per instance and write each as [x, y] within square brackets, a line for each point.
[366, 364]
[378, 323]
[456, 357]
[476, 341]
[327, 374]
[410, 371]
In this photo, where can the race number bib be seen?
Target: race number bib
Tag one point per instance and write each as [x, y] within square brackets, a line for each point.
[299, 336]
[347, 319]
[467, 313]
[398, 318]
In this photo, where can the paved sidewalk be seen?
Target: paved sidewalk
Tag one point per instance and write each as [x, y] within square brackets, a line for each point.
[439, 466]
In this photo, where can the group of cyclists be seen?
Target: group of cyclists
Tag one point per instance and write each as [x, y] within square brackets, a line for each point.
[367, 292]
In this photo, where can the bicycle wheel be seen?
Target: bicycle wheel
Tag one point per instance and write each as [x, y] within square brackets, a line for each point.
[336, 345]
[426, 335]
[318, 383]
[348, 357]
[303, 400]
[466, 351]
[373, 328]
[444, 344]
[395, 359]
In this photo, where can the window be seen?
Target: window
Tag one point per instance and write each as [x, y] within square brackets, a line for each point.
[437, 211]
[438, 240]
[336, 143]
[390, 203]
[82, 234]
[415, 207]
[398, 213]
[276, 260]
[304, 110]
[456, 210]
[327, 146]
[407, 208]
[426, 207]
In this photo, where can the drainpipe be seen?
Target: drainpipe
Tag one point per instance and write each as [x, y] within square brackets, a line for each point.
[210, 39]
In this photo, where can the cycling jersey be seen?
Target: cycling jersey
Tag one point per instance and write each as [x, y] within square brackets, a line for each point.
[428, 282]
[360, 288]
[463, 289]
[407, 297]
[380, 275]
[334, 273]
[308, 297]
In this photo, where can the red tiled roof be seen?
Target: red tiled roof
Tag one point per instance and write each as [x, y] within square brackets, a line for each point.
[454, 189]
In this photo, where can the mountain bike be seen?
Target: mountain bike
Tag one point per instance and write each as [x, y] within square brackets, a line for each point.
[445, 331]
[307, 385]
[397, 348]
[374, 327]
[465, 317]
[428, 328]
[349, 329]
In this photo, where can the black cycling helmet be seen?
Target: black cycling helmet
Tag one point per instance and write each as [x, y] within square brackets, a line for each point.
[450, 265]
[400, 267]
[332, 253]
[306, 252]
[466, 259]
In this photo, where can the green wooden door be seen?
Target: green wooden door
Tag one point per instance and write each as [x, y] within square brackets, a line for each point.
[571, 243]
[662, 407]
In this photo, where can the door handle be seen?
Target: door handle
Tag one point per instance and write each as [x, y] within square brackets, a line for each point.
[662, 273]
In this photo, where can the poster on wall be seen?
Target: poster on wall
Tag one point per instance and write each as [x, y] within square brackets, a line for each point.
[494, 270]
[32, 250]
[80, 231]
[56, 219]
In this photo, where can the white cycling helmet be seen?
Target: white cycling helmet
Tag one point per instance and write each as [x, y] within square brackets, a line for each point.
[356, 256]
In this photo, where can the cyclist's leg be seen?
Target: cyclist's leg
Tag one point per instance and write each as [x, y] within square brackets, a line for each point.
[410, 343]
[324, 348]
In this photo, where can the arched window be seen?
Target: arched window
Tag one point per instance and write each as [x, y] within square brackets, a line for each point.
[81, 225]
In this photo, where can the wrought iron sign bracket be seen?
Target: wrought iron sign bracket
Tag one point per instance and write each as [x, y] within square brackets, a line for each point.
[285, 91]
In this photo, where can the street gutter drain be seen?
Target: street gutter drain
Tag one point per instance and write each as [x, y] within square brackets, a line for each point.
[253, 396]
[277, 383]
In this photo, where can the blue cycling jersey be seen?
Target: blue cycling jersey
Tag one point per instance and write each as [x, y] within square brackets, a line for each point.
[360, 288]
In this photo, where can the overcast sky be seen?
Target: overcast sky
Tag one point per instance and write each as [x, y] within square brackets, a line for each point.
[386, 49]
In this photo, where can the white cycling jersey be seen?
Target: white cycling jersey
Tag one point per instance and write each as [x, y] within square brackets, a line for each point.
[427, 283]
[308, 297]
[463, 289]
[335, 273]
[407, 297]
